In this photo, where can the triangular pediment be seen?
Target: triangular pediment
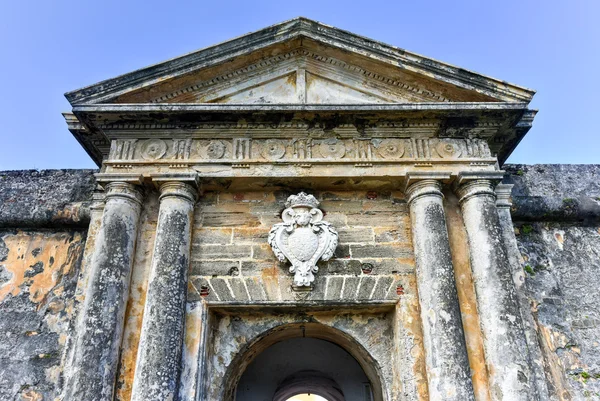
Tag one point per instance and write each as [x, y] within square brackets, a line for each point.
[298, 76]
[300, 61]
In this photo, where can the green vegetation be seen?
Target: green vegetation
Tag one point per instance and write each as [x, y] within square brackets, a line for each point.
[526, 229]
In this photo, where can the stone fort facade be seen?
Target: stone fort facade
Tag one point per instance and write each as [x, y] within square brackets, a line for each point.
[300, 210]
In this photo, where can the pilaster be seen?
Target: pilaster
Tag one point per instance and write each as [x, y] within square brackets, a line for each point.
[499, 313]
[503, 203]
[447, 362]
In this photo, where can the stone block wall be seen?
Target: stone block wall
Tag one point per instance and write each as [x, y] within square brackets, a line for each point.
[231, 260]
[43, 219]
[557, 226]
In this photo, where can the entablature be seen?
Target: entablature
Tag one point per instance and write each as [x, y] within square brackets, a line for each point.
[305, 134]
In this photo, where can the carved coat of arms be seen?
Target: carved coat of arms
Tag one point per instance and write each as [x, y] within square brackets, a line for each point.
[303, 238]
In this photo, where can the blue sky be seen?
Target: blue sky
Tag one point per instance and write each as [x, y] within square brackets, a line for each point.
[51, 47]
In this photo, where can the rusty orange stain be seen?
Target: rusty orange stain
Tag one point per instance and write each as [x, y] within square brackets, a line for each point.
[467, 299]
[58, 254]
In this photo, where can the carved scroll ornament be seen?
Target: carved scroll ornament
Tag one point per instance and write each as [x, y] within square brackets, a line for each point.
[303, 238]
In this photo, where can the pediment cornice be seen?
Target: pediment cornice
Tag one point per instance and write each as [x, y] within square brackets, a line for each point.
[303, 60]
[305, 33]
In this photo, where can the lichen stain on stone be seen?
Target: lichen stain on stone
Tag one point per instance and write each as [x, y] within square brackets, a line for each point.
[56, 254]
[466, 296]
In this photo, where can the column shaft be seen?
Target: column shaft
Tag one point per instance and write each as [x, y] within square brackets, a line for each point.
[448, 371]
[159, 353]
[92, 373]
[499, 314]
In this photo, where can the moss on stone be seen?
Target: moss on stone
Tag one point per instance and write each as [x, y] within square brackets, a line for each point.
[526, 229]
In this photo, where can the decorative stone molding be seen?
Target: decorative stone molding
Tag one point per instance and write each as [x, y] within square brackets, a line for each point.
[178, 189]
[475, 188]
[124, 190]
[426, 187]
[303, 238]
[503, 192]
[126, 152]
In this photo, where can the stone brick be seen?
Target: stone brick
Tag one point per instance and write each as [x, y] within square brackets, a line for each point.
[263, 252]
[238, 288]
[342, 252]
[334, 288]
[384, 206]
[366, 287]
[337, 195]
[341, 266]
[399, 234]
[341, 206]
[198, 283]
[207, 252]
[221, 289]
[221, 236]
[355, 235]
[350, 287]
[256, 235]
[255, 288]
[337, 220]
[214, 268]
[381, 251]
[229, 220]
[246, 196]
[255, 268]
[374, 219]
[390, 266]
[382, 288]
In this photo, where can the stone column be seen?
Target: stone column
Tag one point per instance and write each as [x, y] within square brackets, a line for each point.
[159, 353]
[503, 204]
[93, 369]
[448, 371]
[499, 315]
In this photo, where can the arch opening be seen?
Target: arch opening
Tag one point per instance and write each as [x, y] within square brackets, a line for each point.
[303, 358]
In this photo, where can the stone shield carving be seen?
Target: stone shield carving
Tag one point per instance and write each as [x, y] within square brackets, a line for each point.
[303, 238]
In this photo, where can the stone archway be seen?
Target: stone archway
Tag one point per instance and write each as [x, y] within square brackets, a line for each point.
[312, 382]
[326, 387]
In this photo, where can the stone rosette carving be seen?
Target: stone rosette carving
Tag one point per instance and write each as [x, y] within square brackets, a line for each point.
[332, 149]
[213, 150]
[273, 149]
[153, 149]
[303, 238]
[391, 149]
[447, 149]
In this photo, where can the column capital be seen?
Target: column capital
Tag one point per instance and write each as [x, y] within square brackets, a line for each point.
[124, 190]
[503, 192]
[421, 188]
[178, 189]
[477, 187]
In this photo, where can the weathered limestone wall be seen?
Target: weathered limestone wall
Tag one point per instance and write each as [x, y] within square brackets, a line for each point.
[39, 269]
[557, 225]
[44, 224]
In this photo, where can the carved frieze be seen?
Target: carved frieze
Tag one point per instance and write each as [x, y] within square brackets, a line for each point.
[244, 150]
[303, 238]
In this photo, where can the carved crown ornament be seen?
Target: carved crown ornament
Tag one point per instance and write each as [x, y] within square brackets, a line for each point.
[303, 238]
